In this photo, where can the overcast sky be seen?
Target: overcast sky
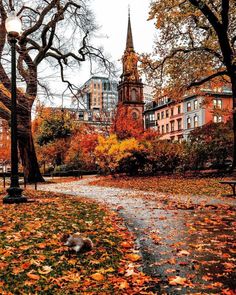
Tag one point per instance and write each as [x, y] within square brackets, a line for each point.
[112, 17]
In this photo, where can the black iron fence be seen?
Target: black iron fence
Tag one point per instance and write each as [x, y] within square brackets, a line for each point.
[5, 176]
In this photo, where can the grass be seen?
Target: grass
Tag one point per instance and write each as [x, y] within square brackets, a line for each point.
[33, 260]
[169, 184]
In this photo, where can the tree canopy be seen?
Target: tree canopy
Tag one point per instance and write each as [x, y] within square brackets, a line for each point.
[57, 37]
[195, 46]
[196, 43]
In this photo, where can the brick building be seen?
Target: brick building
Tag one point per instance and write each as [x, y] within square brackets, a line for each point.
[174, 120]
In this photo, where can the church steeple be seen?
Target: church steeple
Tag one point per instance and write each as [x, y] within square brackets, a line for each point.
[129, 40]
[130, 58]
[130, 88]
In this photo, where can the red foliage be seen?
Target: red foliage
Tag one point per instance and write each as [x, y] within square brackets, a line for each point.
[124, 125]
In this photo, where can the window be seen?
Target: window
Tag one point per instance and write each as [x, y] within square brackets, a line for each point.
[151, 117]
[133, 95]
[172, 126]
[188, 106]
[158, 116]
[217, 119]
[179, 109]
[158, 129]
[162, 115]
[94, 85]
[179, 124]
[162, 129]
[134, 115]
[90, 116]
[167, 113]
[195, 104]
[217, 103]
[172, 112]
[195, 121]
[167, 128]
[81, 115]
[188, 123]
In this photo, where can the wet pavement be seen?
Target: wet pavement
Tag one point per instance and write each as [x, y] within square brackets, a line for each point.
[190, 248]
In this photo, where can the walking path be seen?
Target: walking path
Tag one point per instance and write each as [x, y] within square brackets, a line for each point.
[190, 249]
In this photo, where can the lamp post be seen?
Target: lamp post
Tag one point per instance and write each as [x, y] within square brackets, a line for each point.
[13, 28]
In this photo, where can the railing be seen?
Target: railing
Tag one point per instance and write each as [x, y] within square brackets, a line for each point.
[22, 180]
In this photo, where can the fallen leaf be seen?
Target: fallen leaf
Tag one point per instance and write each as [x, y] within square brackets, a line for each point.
[124, 285]
[45, 270]
[133, 257]
[98, 276]
[33, 276]
[173, 281]
[183, 253]
[126, 245]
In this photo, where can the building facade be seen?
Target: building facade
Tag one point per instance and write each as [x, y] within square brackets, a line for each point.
[96, 100]
[175, 120]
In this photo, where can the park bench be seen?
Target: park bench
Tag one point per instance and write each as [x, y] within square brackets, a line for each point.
[231, 183]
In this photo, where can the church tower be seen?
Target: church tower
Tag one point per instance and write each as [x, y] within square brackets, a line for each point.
[130, 88]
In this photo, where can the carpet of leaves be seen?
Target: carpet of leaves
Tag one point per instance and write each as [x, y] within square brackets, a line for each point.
[169, 184]
[33, 260]
[195, 245]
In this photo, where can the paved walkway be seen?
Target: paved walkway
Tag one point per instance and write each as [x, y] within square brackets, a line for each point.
[185, 248]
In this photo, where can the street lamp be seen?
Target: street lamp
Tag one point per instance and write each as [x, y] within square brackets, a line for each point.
[13, 28]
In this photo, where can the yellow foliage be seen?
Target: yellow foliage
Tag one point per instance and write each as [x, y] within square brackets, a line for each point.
[110, 151]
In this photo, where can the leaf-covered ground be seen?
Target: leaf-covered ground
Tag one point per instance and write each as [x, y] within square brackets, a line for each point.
[169, 184]
[33, 260]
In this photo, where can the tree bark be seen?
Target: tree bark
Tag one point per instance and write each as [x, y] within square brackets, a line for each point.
[27, 151]
[233, 81]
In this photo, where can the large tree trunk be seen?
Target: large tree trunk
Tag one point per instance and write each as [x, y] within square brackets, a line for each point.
[27, 150]
[233, 80]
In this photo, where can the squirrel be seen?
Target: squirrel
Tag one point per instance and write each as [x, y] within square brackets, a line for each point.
[77, 242]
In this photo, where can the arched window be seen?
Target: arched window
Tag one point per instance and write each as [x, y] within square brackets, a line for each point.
[133, 94]
[135, 115]
[195, 121]
[188, 123]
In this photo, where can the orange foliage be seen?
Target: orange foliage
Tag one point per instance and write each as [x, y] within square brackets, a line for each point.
[124, 125]
[82, 147]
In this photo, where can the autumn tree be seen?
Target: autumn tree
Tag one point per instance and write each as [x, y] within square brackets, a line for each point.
[56, 34]
[81, 152]
[125, 125]
[211, 142]
[52, 130]
[111, 151]
[195, 45]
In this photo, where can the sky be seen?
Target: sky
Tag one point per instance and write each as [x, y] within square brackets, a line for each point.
[112, 17]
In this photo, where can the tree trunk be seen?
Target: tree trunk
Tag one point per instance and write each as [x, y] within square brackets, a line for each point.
[27, 150]
[233, 80]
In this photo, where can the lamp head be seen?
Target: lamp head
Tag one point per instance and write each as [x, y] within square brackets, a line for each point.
[13, 25]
